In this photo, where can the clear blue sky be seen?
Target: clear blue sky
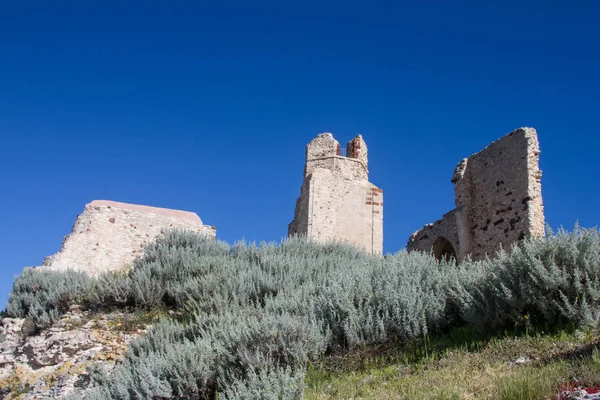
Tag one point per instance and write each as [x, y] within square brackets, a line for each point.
[207, 106]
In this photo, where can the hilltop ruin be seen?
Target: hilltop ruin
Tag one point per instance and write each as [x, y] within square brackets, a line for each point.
[337, 201]
[498, 196]
[109, 235]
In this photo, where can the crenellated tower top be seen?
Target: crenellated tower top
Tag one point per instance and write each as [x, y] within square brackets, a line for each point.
[325, 152]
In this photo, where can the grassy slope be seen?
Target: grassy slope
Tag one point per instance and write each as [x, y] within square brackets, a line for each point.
[454, 367]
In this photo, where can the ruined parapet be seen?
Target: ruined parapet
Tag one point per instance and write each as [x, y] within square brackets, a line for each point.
[109, 235]
[337, 201]
[325, 152]
[498, 198]
[357, 149]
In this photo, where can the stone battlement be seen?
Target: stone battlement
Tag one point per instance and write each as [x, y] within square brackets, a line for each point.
[325, 152]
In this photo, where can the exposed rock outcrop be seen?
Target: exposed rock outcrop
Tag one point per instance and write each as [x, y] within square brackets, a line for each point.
[51, 364]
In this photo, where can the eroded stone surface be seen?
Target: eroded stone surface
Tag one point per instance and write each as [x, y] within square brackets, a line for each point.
[498, 196]
[109, 235]
[52, 363]
[337, 201]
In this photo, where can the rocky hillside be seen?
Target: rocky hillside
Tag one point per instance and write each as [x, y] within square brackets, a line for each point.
[52, 363]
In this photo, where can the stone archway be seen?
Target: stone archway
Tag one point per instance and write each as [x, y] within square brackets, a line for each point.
[443, 249]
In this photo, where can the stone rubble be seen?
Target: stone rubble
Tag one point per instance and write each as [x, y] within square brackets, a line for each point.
[581, 394]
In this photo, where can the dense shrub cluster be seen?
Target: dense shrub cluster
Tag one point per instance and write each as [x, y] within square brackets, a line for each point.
[254, 315]
[544, 282]
[43, 296]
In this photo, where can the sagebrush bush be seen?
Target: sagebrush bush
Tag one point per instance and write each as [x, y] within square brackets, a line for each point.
[254, 315]
[43, 296]
[552, 281]
[267, 384]
[112, 289]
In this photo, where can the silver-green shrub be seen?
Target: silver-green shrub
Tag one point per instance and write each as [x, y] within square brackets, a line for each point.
[543, 282]
[112, 289]
[168, 264]
[170, 362]
[268, 384]
[43, 296]
[254, 315]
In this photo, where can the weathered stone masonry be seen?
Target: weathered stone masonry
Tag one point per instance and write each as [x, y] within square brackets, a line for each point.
[498, 196]
[109, 235]
[337, 201]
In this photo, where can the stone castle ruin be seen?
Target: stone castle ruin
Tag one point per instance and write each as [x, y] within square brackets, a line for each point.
[337, 201]
[498, 196]
[109, 235]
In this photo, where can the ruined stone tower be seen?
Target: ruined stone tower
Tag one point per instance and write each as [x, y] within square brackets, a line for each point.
[337, 201]
[498, 196]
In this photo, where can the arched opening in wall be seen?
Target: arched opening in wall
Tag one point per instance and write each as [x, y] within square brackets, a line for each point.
[443, 249]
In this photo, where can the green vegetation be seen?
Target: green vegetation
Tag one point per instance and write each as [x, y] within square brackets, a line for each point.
[457, 367]
[256, 322]
[43, 296]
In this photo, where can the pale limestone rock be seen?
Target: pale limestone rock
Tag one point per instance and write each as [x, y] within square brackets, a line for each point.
[50, 365]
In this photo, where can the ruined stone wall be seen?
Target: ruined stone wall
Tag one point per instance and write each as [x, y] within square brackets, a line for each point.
[337, 202]
[299, 226]
[431, 237]
[503, 193]
[498, 199]
[110, 235]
